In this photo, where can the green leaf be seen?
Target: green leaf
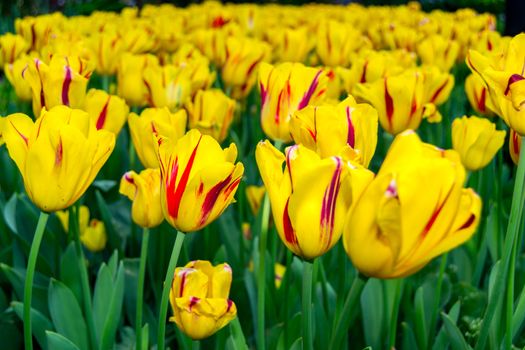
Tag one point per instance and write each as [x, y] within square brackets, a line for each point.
[372, 311]
[56, 341]
[409, 339]
[104, 185]
[66, 314]
[10, 213]
[457, 341]
[114, 239]
[39, 323]
[69, 271]
[421, 318]
[297, 344]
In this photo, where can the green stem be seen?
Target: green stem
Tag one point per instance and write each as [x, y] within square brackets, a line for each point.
[308, 343]
[348, 312]
[238, 335]
[140, 286]
[166, 289]
[437, 301]
[395, 312]
[511, 239]
[28, 288]
[261, 273]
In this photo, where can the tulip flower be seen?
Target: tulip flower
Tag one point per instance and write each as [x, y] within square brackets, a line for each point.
[255, 195]
[514, 146]
[476, 140]
[199, 179]
[505, 80]
[166, 86]
[58, 156]
[279, 272]
[92, 232]
[291, 44]
[199, 298]
[14, 72]
[195, 68]
[12, 46]
[285, 89]
[131, 85]
[62, 82]
[37, 30]
[138, 40]
[438, 51]
[402, 228]
[211, 112]
[477, 94]
[401, 37]
[144, 191]
[2, 128]
[437, 86]
[311, 197]
[108, 112]
[348, 130]
[107, 47]
[154, 122]
[212, 43]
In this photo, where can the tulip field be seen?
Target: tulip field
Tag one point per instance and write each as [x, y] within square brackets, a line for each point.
[242, 176]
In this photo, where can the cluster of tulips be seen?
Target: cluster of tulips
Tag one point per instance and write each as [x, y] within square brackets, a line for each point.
[332, 84]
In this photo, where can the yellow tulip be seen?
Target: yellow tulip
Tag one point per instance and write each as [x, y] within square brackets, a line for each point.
[477, 94]
[401, 37]
[144, 191]
[92, 232]
[476, 140]
[402, 228]
[199, 298]
[291, 44]
[107, 47]
[311, 197]
[514, 146]
[12, 46]
[243, 58]
[83, 218]
[37, 30]
[154, 122]
[437, 85]
[255, 195]
[14, 72]
[137, 40]
[197, 72]
[2, 128]
[62, 82]
[285, 89]
[212, 43]
[348, 129]
[166, 86]
[131, 85]
[108, 112]
[58, 156]
[438, 51]
[199, 179]
[279, 272]
[211, 112]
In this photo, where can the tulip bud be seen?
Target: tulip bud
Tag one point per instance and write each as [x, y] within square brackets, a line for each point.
[255, 196]
[130, 71]
[154, 122]
[58, 156]
[348, 129]
[15, 72]
[476, 140]
[287, 88]
[12, 46]
[108, 112]
[438, 51]
[478, 95]
[291, 44]
[212, 43]
[199, 179]
[199, 298]
[445, 217]
[166, 86]
[311, 197]
[144, 191]
[92, 232]
[514, 146]
[107, 47]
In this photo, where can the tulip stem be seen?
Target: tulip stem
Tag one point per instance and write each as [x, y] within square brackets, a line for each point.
[28, 288]
[261, 273]
[140, 286]
[395, 313]
[308, 343]
[511, 239]
[166, 289]
[437, 301]
[238, 334]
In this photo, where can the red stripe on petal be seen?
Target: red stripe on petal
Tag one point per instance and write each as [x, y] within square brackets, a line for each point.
[289, 234]
[309, 93]
[350, 137]
[389, 103]
[103, 114]
[65, 86]
[211, 199]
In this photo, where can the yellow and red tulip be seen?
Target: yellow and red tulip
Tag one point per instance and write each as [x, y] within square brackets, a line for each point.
[438, 51]
[477, 94]
[92, 233]
[514, 146]
[130, 72]
[166, 86]
[107, 111]
[12, 46]
[15, 72]
[255, 196]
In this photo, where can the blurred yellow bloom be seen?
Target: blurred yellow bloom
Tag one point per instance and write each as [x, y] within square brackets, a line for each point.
[347, 129]
[286, 88]
[211, 112]
[290, 44]
[107, 47]
[311, 197]
[144, 191]
[137, 40]
[92, 232]
[2, 128]
[58, 156]
[197, 72]
[417, 184]
[199, 298]
[154, 122]
[401, 37]
[438, 51]
[199, 179]
[476, 140]
[255, 195]
[37, 30]
[166, 86]
[15, 72]
[279, 271]
[12, 46]
[107, 111]
[514, 146]
[212, 43]
[477, 94]
[131, 85]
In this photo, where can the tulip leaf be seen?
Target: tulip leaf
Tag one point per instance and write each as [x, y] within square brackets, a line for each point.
[66, 314]
[457, 341]
[114, 240]
[409, 339]
[421, 318]
[519, 314]
[39, 323]
[57, 341]
[69, 271]
[131, 271]
[372, 310]
[104, 185]
[10, 213]
[297, 344]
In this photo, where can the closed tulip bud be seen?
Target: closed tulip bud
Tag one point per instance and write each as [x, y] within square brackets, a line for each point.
[291, 44]
[443, 218]
[62, 82]
[154, 122]
[348, 129]
[58, 156]
[437, 85]
[255, 196]
[285, 89]
[211, 112]
[108, 112]
[199, 179]
[243, 58]
[130, 71]
[15, 72]
[166, 86]
[401, 37]
[197, 71]
[92, 232]
[107, 47]
[478, 95]
[138, 40]
[199, 298]
[37, 30]
[476, 140]
[438, 51]
[514, 146]
[212, 43]
[11, 47]
[144, 191]
[311, 197]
